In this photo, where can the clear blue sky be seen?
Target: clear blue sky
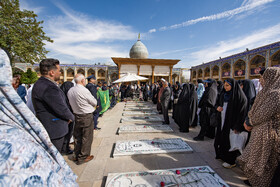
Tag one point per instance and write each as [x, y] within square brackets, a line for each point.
[91, 31]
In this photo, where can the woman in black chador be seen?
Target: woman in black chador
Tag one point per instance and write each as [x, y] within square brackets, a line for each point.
[207, 105]
[176, 92]
[233, 107]
[249, 90]
[186, 107]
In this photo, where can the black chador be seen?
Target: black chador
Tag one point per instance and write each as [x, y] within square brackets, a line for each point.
[176, 92]
[234, 103]
[207, 105]
[250, 92]
[186, 107]
[193, 106]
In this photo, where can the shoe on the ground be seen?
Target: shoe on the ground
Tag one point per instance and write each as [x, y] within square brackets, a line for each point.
[184, 130]
[227, 165]
[87, 159]
[198, 138]
[69, 152]
[247, 182]
[97, 128]
[73, 158]
[163, 123]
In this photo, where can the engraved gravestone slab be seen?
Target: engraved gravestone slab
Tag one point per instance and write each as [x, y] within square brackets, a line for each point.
[139, 109]
[137, 104]
[139, 113]
[139, 147]
[135, 101]
[201, 176]
[141, 119]
[140, 106]
[144, 128]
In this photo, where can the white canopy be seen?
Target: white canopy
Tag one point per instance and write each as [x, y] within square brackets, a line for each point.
[130, 78]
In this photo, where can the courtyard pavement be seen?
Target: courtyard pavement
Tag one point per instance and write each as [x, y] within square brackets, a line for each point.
[94, 173]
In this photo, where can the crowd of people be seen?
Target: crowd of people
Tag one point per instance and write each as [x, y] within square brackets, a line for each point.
[243, 117]
[68, 111]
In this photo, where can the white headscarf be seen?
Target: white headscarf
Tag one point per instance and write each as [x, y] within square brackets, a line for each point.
[257, 84]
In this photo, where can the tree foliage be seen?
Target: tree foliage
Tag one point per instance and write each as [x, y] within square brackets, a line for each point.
[21, 34]
[29, 77]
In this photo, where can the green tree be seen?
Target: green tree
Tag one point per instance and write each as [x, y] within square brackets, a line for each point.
[29, 77]
[20, 33]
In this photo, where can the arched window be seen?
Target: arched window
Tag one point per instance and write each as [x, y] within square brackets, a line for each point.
[81, 71]
[226, 70]
[200, 73]
[275, 59]
[62, 74]
[207, 73]
[70, 72]
[91, 72]
[239, 68]
[256, 64]
[101, 73]
[194, 74]
[215, 72]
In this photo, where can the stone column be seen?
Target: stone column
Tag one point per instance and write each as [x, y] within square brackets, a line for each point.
[106, 74]
[75, 71]
[170, 75]
[138, 69]
[268, 60]
[96, 73]
[220, 71]
[153, 76]
[203, 71]
[138, 73]
[64, 74]
[86, 74]
[247, 67]
[231, 69]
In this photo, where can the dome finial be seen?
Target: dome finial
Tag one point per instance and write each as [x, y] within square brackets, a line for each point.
[139, 37]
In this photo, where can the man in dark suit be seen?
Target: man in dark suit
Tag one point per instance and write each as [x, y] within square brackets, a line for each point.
[93, 88]
[164, 100]
[50, 104]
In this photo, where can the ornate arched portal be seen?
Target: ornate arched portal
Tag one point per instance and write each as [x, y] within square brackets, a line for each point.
[239, 69]
[256, 64]
[275, 59]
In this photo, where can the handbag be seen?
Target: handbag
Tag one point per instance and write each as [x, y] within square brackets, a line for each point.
[237, 141]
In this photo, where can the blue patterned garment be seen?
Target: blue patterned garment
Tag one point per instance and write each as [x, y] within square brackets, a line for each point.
[200, 91]
[27, 156]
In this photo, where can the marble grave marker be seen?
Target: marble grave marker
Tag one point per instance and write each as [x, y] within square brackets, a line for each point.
[137, 113]
[139, 147]
[200, 176]
[141, 119]
[144, 128]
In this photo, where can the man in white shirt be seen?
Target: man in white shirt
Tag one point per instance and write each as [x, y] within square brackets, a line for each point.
[83, 105]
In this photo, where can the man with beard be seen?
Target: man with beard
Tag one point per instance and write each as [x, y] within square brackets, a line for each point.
[50, 103]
